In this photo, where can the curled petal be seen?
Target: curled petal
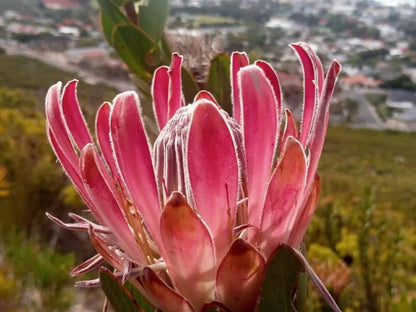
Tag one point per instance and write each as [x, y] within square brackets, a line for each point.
[240, 276]
[205, 95]
[175, 86]
[72, 114]
[283, 196]
[103, 248]
[215, 306]
[238, 60]
[270, 73]
[303, 220]
[189, 251]
[160, 95]
[80, 225]
[132, 154]
[56, 125]
[259, 105]
[320, 123]
[210, 143]
[98, 183]
[167, 91]
[312, 81]
[88, 265]
[291, 128]
[161, 295]
[102, 130]
[71, 169]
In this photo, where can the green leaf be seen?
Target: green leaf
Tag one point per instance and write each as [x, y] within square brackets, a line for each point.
[119, 297]
[189, 86]
[302, 292]
[110, 16]
[134, 47]
[123, 2]
[165, 51]
[281, 281]
[107, 26]
[143, 303]
[112, 11]
[218, 82]
[153, 18]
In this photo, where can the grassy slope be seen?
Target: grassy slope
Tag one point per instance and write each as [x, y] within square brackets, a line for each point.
[357, 158]
[35, 77]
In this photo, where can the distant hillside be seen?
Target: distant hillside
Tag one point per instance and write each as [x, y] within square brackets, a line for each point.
[19, 72]
[354, 159]
[21, 6]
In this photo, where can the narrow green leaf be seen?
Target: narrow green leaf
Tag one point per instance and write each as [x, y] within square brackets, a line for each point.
[165, 51]
[153, 18]
[107, 26]
[281, 281]
[189, 86]
[119, 2]
[143, 303]
[218, 82]
[134, 47]
[112, 11]
[119, 297]
[302, 292]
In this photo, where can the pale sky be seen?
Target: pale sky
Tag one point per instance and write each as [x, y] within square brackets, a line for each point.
[396, 2]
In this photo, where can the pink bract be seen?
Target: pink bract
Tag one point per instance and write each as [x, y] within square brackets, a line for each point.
[213, 197]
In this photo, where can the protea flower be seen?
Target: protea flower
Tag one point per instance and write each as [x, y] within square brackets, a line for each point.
[194, 219]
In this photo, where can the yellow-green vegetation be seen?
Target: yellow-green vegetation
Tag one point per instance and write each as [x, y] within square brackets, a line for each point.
[4, 185]
[206, 20]
[366, 218]
[355, 159]
[30, 271]
[209, 20]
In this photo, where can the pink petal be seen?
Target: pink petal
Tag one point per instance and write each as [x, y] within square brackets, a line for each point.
[81, 224]
[215, 306]
[240, 276]
[56, 124]
[260, 132]
[161, 295]
[284, 193]
[238, 60]
[160, 95]
[175, 86]
[213, 172]
[131, 150]
[311, 68]
[71, 170]
[291, 128]
[87, 265]
[102, 131]
[301, 225]
[274, 81]
[320, 123]
[205, 95]
[108, 207]
[189, 251]
[105, 250]
[73, 116]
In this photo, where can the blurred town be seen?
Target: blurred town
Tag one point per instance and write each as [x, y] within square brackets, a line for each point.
[376, 45]
[362, 238]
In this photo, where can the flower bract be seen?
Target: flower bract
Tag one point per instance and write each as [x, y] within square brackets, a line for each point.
[193, 219]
